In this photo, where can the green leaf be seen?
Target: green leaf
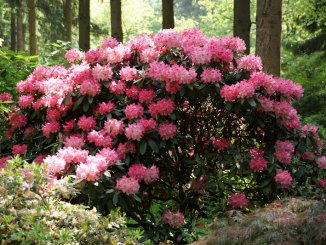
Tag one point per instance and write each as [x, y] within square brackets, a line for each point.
[153, 146]
[67, 100]
[115, 198]
[252, 102]
[77, 103]
[137, 198]
[143, 147]
[85, 107]
[228, 106]
[90, 100]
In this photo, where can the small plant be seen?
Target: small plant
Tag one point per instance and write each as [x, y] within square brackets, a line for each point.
[31, 214]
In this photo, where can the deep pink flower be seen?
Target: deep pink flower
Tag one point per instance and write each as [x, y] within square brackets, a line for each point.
[19, 149]
[321, 162]
[5, 97]
[133, 111]
[86, 123]
[238, 200]
[167, 130]
[258, 164]
[284, 178]
[322, 183]
[220, 144]
[134, 131]
[146, 96]
[50, 128]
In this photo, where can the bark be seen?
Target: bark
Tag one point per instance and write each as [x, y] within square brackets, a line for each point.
[32, 27]
[241, 21]
[116, 23]
[13, 42]
[20, 27]
[167, 14]
[84, 24]
[268, 34]
[68, 20]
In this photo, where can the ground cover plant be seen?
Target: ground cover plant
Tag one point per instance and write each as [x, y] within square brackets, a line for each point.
[287, 221]
[162, 125]
[31, 212]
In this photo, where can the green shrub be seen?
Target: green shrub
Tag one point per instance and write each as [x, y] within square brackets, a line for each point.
[288, 221]
[30, 214]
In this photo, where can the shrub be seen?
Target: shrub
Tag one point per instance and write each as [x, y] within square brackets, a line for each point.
[288, 221]
[31, 214]
[163, 123]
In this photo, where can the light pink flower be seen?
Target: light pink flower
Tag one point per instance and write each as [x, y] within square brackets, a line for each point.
[284, 178]
[175, 220]
[128, 185]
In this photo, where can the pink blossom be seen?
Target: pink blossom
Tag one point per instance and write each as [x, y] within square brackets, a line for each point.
[18, 120]
[322, 183]
[148, 124]
[73, 155]
[5, 97]
[146, 96]
[220, 144]
[167, 37]
[175, 220]
[284, 150]
[236, 44]
[308, 155]
[238, 200]
[250, 63]
[86, 123]
[258, 164]
[163, 107]
[117, 87]
[243, 89]
[74, 141]
[132, 92]
[95, 137]
[309, 129]
[98, 161]
[167, 130]
[211, 75]
[133, 111]
[73, 55]
[50, 128]
[128, 185]
[54, 164]
[90, 87]
[219, 52]
[109, 43]
[284, 178]
[28, 131]
[39, 158]
[151, 174]
[129, 73]
[102, 73]
[3, 161]
[137, 171]
[114, 127]
[134, 131]
[69, 125]
[104, 108]
[53, 115]
[88, 172]
[91, 56]
[111, 156]
[321, 162]
[25, 101]
[256, 152]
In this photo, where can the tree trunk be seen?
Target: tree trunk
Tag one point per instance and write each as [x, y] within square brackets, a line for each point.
[84, 24]
[116, 23]
[13, 43]
[242, 22]
[268, 34]
[167, 14]
[20, 27]
[68, 20]
[32, 27]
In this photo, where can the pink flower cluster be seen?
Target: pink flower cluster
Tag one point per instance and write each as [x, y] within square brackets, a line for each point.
[284, 178]
[5, 97]
[211, 76]
[140, 172]
[283, 151]
[258, 162]
[163, 107]
[321, 162]
[220, 144]
[238, 200]
[128, 185]
[19, 149]
[175, 220]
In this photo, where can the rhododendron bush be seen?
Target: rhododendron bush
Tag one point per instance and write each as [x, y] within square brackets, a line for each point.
[172, 119]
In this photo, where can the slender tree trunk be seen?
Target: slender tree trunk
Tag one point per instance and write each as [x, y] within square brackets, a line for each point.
[13, 43]
[167, 14]
[268, 34]
[68, 20]
[116, 23]
[32, 27]
[84, 24]
[241, 21]
[20, 27]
